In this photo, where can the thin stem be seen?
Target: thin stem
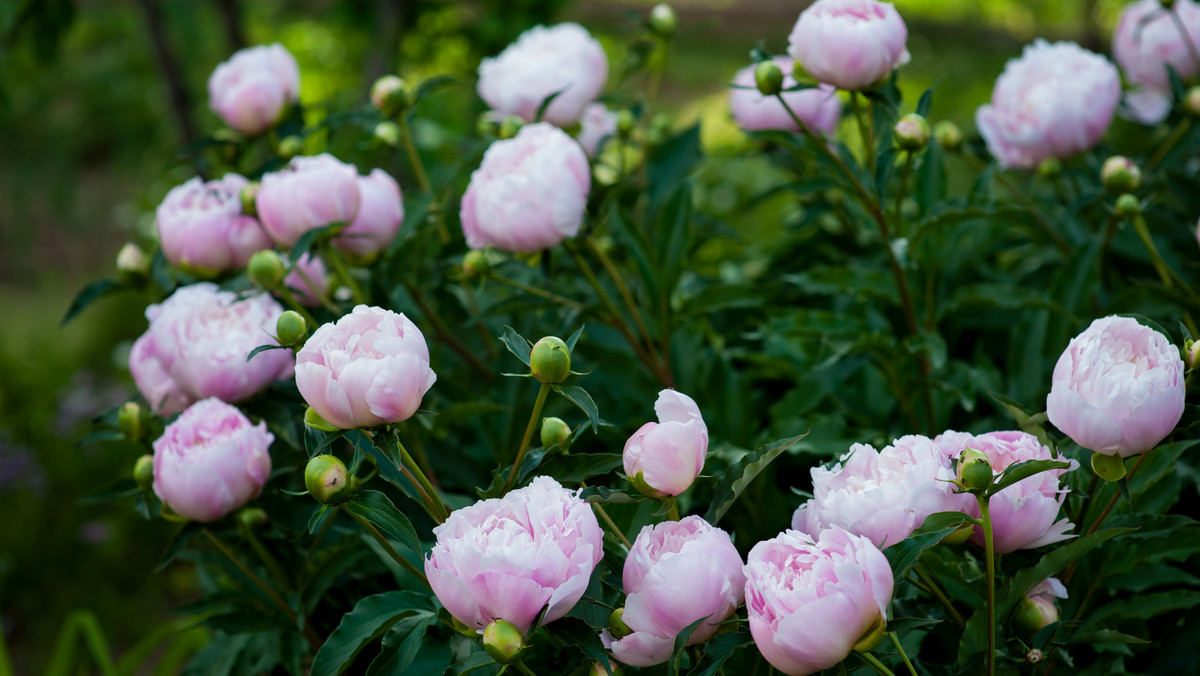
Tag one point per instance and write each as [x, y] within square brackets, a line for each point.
[903, 655]
[414, 157]
[1116, 496]
[612, 525]
[290, 299]
[387, 547]
[936, 590]
[534, 417]
[623, 290]
[439, 507]
[312, 548]
[907, 171]
[321, 298]
[334, 258]
[875, 664]
[864, 131]
[269, 561]
[444, 333]
[1168, 143]
[990, 553]
[530, 289]
[1031, 208]
[484, 334]
[673, 510]
[1087, 500]
[524, 669]
[426, 500]
[1165, 273]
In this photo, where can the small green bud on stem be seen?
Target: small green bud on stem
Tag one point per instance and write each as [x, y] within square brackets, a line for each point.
[266, 269]
[249, 197]
[550, 360]
[912, 132]
[948, 135]
[252, 518]
[290, 146]
[475, 264]
[974, 473]
[143, 472]
[387, 133]
[132, 263]
[555, 432]
[662, 21]
[1120, 175]
[291, 329]
[133, 420]
[390, 95]
[1128, 206]
[326, 479]
[503, 641]
[616, 624]
[510, 125]
[768, 77]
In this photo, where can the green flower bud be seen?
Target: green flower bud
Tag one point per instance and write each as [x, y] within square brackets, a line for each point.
[387, 133]
[487, 124]
[625, 123]
[599, 670]
[1191, 102]
[769, 78]
[1050, 167]
[1032, 614]
[290, 146]
[503, 641]
[1191, 351]
[132, 263]
[326, 479]
[510, 125]
[266, 269]
[475, 264]
[662, 20]
[974, 471]
[252, 518]
[390, 95]
[616, 624]
[143, 472]
[550, 360]
[1120, 175]
[948, 135]
[1108, 467]
[912, 132]
[250, 198]
[871, 639]
[291, 328]
[1034, 656]
[1128, 206]
[555, 432]
[314, 420]
[132, 419]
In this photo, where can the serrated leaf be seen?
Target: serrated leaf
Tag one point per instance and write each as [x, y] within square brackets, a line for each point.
[379, 510]
[1023, 470]
[580, 397]
[517, 344]
[905, 554]
[367, 621]
[90, 294]
[734, 480]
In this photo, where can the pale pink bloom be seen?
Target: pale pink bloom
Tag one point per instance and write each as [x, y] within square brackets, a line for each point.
[196, 348]
[308, 280]
[1118, 388]
[370, 368]
[670, 453]
[596, 125]
[529, 193]
[1024, 515]
[883, 495]
[850, 44]
[250, 90]
[309, 193]
[1146, 42]
[380, 213]
[677, 572]
[562, 58]
[506, 558]
[202, 228]
[211, 461]
[1055, 101]
[819, 107]
[811, 598]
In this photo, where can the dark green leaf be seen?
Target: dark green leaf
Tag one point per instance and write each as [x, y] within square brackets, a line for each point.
[1023, 470]
[719, 648]
[574, 632]
[116, 490]
[581, 467]
[517, 344]
[1104, 636]
[311, 239]
[675, 666]
[89, 294]
[401, 644]
[574, 339]
[370, 618]
[904, 554]
[474, 661]
[580, 397]
[319, 515]
[264, 348]
[669, 164]
[379, 510]
[739, 475]
[181, 540]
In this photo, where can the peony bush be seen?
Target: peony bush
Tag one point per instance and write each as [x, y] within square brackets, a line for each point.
[374, 444]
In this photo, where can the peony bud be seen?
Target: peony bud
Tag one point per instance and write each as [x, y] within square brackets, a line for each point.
[290, 146]
[912, 132]
[266, 269]
[503, 641]
[1037, 610]
[768, 77]
[387, 133]
[625, 123]
[291, 328]
[326, 480]
[1192, 349]
[132, 262]
[248, 195]
[1127, 206]
[616, 624]
[555, 432]
[1034, 656]
[1191, 101]
[662, 20]
[550, 360]
[974, 472]
[509, 126]
[143, 472]
[252, 518]
[390, 95]
[1120, 175]
[613, 668]
[132, 419]
[948, 135]
[475, 264]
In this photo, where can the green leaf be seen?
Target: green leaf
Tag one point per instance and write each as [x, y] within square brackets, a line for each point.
[312, 239]
[1023, 470]
[517, 344]
[1030, 424]
[181, 540]
[926, 101]
[676, 663]
[738, 476]
[401, 644]
[319, 515]
[574, 338]
[905, 554]
[668, 164]
[580, 397]
[475, 661]
[88, 295]
[574, 632]
[116, 490]
[719, 648]
[581, 467]
[370, 618]
[264, 348]
[379, 510]
[674, 238]
[1104, 636]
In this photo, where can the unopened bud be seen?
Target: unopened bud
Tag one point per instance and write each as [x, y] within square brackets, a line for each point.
[266, 269]
[1191, 101]
[290, 146]
[1108, 467]
[250, 198]
[314, 420]
[1034, 656]
[390, 95]
[948, 135]
[132, 419]
[550, 360]
[143, 472]
[1033, 613]
[974, 472]
[1050, 167]
[613, 668]
[768, 77]
[326, 479]
[510, 125]
[1192, 349]
[291, 328]
[1128, 206]
[252, 518]
[132, 262]
[555, 432]
[1120, 175]
[616, 624]
[912, 132]
[959, 536]
[387, 133]
[475, 264]
[662, 20]
[872, 637]
[625, 123]
[503, 641]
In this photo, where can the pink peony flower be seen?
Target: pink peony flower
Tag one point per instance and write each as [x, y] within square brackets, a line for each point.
[1118, 388]
[370, 368]
[811, 599]
[308, 280]
[597, 124]
[506, 558]
[850, 44]
[562, 58]
[211, 461]
[1053, 102]
[819, 108]
[1024, 515]
[669, 454]
[677, 573]
[1146, 41]
[310, 193]
[197, 344]
[884, 495]
[202, 228]
[380, 213]
[250, 90]
[529, 193]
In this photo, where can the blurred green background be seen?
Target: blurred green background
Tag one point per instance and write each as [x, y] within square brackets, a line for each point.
[97, 97]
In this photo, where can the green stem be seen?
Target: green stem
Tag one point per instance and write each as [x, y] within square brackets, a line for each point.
[321, 298]
[673, 509]
[908, 164]
[1030, 208]
[445, 334]
[387, 547]
[414, 157]
[530, 289]
[520, 664]
[534, 416]
[903, 655]
[269, 561]
[312, 548]
[626, 296]
[439, 507]
[334, 258]
[1165, 273]
[1168, 143]
[612, 525]
[990, 553]
[290, 299]
[484, 335]
[864, 131]
[936, 590]
[875, 664]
